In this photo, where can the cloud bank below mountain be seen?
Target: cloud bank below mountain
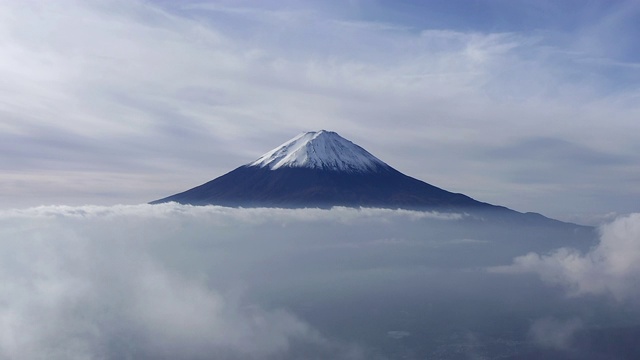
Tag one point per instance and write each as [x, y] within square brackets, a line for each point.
[612, 267]
[176, 281]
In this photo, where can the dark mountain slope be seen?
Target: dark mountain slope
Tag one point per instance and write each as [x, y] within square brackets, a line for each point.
[322, 169]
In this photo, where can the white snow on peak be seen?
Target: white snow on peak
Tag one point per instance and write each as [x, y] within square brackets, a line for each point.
[320, 150]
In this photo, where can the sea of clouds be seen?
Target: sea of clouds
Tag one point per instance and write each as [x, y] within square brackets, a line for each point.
[611, 267]
[172, 281]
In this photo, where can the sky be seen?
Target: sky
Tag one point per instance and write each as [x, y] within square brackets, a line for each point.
[528, 104]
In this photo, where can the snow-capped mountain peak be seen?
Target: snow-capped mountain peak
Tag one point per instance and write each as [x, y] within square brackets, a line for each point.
[321, 170]
[322, 149]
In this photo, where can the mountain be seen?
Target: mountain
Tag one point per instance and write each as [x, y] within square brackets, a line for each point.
[323, 169]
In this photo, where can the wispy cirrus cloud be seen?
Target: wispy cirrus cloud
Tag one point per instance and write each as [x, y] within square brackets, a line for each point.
[135, 100]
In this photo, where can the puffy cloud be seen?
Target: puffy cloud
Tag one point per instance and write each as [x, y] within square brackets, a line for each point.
[611, 267]
[84, 283]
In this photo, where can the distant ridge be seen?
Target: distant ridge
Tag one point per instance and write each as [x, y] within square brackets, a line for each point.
[323, 169]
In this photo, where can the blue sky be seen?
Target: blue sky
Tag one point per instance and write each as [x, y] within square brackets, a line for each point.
[528, 104]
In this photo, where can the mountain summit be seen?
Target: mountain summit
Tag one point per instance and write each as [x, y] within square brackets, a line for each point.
[322, 150]
[323, 169]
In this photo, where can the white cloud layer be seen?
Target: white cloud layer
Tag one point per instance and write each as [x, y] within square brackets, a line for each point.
[173, 281]
[82, 283]
[612, 267]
